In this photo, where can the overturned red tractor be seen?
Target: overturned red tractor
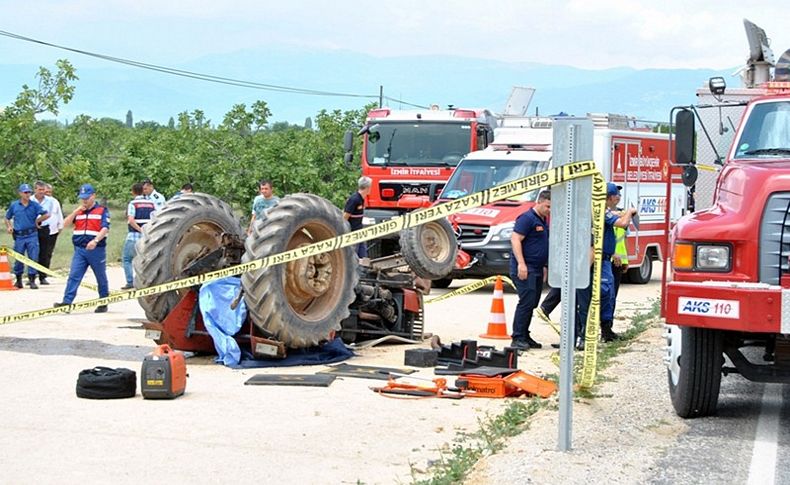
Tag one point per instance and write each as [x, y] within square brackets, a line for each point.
[293, 305]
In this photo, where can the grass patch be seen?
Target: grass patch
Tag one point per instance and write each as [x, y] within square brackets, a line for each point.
[457, 460]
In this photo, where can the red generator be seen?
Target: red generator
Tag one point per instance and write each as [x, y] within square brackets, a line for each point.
[164, 374]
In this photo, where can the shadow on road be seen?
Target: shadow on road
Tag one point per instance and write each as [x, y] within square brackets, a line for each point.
[79, 348]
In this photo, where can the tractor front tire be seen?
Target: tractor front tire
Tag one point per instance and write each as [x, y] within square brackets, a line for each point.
[430, 249]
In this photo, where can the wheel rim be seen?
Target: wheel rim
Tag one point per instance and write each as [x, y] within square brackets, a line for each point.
[674, 343]
[435, 242]
[197, 241]
[311, 285]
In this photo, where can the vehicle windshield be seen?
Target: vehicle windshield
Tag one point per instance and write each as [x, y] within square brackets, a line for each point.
[418, 144]
[766, 133]
[476, 175]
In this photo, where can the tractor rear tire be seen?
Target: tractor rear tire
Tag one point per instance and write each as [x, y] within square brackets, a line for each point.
[430, 249]
[300, 302]
[184, 230]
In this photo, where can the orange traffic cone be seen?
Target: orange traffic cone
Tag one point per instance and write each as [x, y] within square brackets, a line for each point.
[5, 273]
[497, 324]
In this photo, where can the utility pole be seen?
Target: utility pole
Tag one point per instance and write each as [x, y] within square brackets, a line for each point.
[381, 96]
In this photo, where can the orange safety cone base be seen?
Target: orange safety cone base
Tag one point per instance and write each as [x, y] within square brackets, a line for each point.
[6, 281]
[497, 324]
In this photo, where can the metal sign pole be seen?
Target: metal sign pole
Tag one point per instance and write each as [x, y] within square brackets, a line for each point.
[569, 243]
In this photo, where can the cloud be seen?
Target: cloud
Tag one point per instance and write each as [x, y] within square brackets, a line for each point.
[592, 34]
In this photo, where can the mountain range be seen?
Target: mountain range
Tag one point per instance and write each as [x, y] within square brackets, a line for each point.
[113, 89]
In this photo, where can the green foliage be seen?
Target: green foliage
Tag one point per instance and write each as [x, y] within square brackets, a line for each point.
[224, 160]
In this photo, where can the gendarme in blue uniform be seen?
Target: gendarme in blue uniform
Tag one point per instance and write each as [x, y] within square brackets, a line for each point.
[25, 232]
[87, 225]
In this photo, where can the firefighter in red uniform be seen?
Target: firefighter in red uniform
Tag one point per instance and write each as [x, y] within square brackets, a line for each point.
[91, 225]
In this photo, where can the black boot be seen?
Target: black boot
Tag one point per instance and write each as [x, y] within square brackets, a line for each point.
[42, 279]
[607, 334]
[19, 282]
[31, 282]
[532, 343]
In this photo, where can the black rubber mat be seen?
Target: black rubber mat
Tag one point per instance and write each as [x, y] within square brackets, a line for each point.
[364, 371]
[310, 380]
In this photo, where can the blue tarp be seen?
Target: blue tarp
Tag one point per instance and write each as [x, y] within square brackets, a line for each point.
[327, 353]
[221, 322]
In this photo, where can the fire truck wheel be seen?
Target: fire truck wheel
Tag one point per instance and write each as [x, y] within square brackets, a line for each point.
[430, 249]
[642, 274]
[441, 283]
[184, 230]
[694, 369]
[300, 302]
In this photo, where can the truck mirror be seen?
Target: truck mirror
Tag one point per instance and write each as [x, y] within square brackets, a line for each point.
[348, 158]
[348, 141]
[684, 137]
[489, 137]
[689, 175]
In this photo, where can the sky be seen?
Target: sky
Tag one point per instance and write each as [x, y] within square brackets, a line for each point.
[593, 34]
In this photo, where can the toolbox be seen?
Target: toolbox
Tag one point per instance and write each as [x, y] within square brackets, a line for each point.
[482, 386]
[164, 374]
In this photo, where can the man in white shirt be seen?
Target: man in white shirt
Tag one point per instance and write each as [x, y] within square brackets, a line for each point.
[151, 194]
[50, 228]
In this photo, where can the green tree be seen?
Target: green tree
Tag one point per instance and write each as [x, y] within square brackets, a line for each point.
[24, 142]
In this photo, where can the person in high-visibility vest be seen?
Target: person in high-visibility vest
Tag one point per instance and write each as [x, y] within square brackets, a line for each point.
[619, 258]
[91, 225]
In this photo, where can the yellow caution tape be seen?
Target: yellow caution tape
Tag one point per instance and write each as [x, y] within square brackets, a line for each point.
[469, 288]
[410, 219]
[42, 269]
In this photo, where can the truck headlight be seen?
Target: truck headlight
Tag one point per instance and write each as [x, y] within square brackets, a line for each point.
[368, 221]
[502, 232]
[713, 257]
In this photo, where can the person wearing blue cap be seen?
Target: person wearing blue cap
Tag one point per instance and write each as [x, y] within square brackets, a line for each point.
[27, 216]
[612, 219]
[91, 225]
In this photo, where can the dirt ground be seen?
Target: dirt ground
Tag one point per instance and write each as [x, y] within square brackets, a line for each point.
[222, 430]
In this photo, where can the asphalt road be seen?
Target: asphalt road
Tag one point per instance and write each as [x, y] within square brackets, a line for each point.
[748, 441]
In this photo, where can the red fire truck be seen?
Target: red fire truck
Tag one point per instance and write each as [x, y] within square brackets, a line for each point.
[627, 152]
[410, 154]
[727, 290]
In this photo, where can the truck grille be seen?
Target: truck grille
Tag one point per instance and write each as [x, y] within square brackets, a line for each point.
[408, 188]
[473, 233]
[775, 238]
